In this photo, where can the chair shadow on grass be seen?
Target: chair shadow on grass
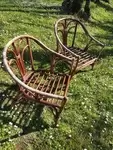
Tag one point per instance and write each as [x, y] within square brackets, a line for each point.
[23, 114]
[40, 9]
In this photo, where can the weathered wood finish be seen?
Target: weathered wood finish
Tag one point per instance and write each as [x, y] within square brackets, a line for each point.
[73, 40]
[43, 85]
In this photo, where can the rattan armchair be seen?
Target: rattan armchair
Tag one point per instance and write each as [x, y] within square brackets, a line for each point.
[35, 69]
[74, 40]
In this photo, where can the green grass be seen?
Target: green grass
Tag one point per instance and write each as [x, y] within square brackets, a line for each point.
[87, 120]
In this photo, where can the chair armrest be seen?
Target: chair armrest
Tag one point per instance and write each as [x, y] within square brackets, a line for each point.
[72, 59]
[98, 42]
[86, 31]
[50, 50]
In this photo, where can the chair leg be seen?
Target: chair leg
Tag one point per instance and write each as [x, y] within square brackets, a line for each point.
[56, 118]
[92, 66]
[57, 115]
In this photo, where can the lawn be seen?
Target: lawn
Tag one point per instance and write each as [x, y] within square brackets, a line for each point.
[86, 123]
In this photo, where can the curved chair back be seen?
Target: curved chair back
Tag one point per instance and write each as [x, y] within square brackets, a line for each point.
[71, 33]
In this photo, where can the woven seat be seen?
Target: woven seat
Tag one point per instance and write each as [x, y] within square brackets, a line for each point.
[33, 67]
[47, 82]
[73, 40]
[85, 58]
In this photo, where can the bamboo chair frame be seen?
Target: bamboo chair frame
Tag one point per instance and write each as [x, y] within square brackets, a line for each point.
[67, 31]
[43, 85]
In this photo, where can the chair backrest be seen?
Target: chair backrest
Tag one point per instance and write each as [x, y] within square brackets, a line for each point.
[71, 33]
[24, 53]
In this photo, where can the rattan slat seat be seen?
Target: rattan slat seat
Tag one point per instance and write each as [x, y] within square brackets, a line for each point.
[48, 82]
